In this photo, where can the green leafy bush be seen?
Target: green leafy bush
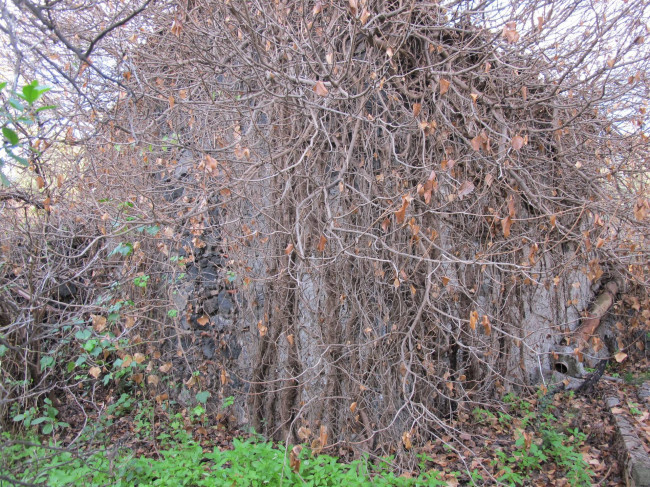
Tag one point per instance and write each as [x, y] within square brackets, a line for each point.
[17, 115]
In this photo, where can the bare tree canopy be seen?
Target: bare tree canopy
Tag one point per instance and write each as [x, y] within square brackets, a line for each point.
[407, 205]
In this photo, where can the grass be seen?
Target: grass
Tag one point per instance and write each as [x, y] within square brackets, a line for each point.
[250, 463]
[540, 440]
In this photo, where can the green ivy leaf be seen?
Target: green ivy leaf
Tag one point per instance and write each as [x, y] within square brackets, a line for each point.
[10, 135]
[16, 104]
[33, 92]
[21, 160]
[153, 230]
[202, 397]
[46, 107]
[124, 249]
[46, 362]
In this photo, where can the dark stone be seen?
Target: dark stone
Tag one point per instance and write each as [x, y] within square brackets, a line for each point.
[221, 324]
[208, 276]
[65, 291]
[192, 272]
[211, 306]
[233, 349]
[221, 304]
[176, 193]
[209, 348]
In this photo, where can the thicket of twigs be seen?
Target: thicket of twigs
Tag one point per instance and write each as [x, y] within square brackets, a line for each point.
[402, 188]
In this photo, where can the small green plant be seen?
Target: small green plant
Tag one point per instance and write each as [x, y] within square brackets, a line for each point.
[636, 379]
[249, 463]
[141, 281]
[634, 408]
[47, 417]
[123, 248]
[548, 442]
[16, 117]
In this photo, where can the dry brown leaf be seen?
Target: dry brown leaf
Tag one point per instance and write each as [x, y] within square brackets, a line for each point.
[417, 108]
[365, 15]
[476, 143]
[262, 328]
[473, 319]
[95, 372]
[506, 223]
[318, 8]
[385, 224]
[290, 339]
[203, 320]
[444, 86]
[641, 209]
[406, 440]
[99, 323]
[288, 249]
[320, 89]
[304, 433]
[294, 458]
[400, 215]
[517, 142]
[486, 325]
[353, 407]
[321, 243]
[138, 357]
[466, 188]
[579, 355]
[166, 367]
[322, 435]
[510, 32]
[153, 380]
[620, 356]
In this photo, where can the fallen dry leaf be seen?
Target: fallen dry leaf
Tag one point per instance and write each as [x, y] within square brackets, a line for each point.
[620, 356]
[517, 142]
[466, 188]
[444, 86]
[320, 89]
[99, 323]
